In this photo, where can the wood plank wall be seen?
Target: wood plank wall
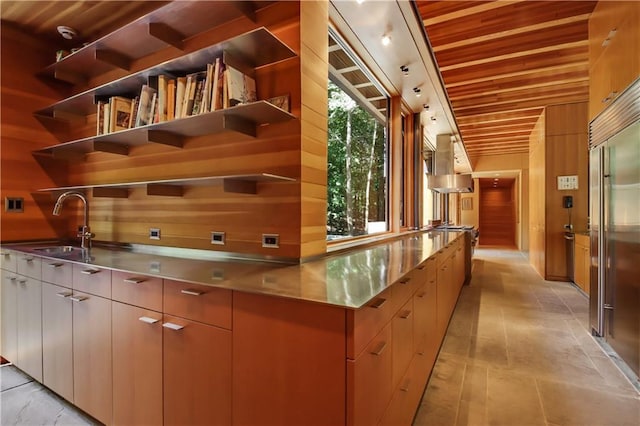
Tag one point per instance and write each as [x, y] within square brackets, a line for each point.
[296, 149]
[21, 133]
[497, 216]
[558, 147]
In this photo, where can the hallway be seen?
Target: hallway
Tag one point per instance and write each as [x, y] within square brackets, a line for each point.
[517, 352]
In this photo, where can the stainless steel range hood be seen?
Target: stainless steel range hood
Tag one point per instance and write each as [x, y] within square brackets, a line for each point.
[444, 180]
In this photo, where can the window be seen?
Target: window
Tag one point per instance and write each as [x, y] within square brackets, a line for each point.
[357, 184]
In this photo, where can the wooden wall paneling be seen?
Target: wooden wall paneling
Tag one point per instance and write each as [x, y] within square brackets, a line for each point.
[314, 70]
[21, 174]
[537, 178]
[395, 163]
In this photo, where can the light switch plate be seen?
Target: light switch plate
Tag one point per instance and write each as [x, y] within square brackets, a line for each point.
[567, 182]
[154, 233]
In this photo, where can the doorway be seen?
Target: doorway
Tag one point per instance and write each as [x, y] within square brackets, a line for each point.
[497, 212]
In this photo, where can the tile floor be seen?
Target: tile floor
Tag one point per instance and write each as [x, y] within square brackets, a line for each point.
[517, 352]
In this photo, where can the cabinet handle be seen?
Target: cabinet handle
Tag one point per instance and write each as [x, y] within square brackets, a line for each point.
[421, 294]
[609, 97]
[406, 314]
[405, 280]
[90, 271]
[64, 294]
[380, 349]
[172, 326]
[192, 292]
[134, 280]
[28, 258]
[55, 265]
[420, 352]
[5, 253]
[12, 278]
[22, 280]
[405, 387]
[377, 304]
[148, 320]
[78, 298]
[421, 266]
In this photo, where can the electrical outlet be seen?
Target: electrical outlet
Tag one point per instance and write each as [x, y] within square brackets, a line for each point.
[270, 240]
[217, 275]
[154, 267]
[13, 204]
[217, 238]
[154, 233]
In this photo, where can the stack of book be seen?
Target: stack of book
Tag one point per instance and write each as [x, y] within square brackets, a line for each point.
[166, 98]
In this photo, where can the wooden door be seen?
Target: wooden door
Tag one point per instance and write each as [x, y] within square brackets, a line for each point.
[92, 368]
[497, 213]
[197, 373]
[137, 360]
[57, 340]
[30, 327]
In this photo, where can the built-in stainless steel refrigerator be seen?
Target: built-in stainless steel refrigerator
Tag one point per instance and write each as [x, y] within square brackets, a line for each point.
[614, 199]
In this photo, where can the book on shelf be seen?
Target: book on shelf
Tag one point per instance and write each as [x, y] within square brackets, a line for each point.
[241, 87]
[120, 113]
[106, 116]
[143, 117]
[197, 100]
[185, 99]
[215, 89]
[206, 95]
[171, 98]
[100, 118]
[181, 83]
[162, 98]
[134, 111]
[193, 80]
[153, 114]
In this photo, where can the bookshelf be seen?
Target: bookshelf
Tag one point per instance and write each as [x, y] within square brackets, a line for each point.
[244, 184]
[168, 25]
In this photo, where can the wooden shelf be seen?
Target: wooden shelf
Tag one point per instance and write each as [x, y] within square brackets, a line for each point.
[243, 118]
[255, 48]
[168, 25]
[245, 184]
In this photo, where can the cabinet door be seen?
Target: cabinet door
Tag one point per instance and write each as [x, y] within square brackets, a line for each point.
[443, 295]
[197, 373]
[57, 340]
[92, 378]
[586, 272]
[9, 316]
[402, 329]
[137, 360]
[30, 327]
[369, 379]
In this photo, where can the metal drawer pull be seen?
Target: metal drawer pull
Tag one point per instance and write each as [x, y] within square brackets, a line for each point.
[64, 294]
[405, 314]
[56, 264]
[12, 278]
[405, 387]
[422, 294]
[148, 320]
[421, 266]
[28, 258]
[380, 349]
[78, 298]
[173, 326]
[90, 271]
[378, 303]
[22, 281]
[192, 292]
[134, 280]
[405, 280]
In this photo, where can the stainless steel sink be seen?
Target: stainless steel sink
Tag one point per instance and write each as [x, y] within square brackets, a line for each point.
[59, 250]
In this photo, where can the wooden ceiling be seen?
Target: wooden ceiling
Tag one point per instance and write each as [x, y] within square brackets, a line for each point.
[502, 62]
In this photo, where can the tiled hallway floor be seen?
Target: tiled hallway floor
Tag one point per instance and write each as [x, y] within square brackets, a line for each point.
[517, 352]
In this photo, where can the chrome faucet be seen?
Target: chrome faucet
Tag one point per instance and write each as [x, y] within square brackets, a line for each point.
[85, 234]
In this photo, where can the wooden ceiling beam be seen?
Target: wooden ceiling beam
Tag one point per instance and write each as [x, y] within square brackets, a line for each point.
[485, 127]
[548, 84]
[478, 8]
[495, 134]
[495, 141]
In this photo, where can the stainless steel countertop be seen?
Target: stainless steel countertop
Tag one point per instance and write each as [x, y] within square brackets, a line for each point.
[347, 279]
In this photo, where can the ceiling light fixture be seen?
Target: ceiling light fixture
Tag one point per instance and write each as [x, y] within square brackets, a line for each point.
[360, 1]
[417, 91]
[67, 32]
[386, 40]
[405, 70]
[425, 106]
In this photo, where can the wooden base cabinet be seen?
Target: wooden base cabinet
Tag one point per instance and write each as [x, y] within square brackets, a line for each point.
[29, 324]
[197, 373]
[57, 340]
[137, 361]
[92, 366]
[9, 315]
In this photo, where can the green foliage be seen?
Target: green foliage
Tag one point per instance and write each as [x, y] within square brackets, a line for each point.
[342, 109]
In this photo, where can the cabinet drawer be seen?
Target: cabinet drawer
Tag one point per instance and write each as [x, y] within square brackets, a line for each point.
[92, 280]
[29, 265]
[364, 323]
[406, 397]
[8, 260]
[57, 272]
[402, 329]
[137, 290]
[369, 385]
[201, 303]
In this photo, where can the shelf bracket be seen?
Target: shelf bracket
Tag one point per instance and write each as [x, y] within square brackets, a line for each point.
[164, 190]
[164, 138]
[66, 154]
[113, 58]
[239, 124]
[240, 186]
[166, 34]
[246, 9]
[110, 192]
[110, 147]
[70, 77]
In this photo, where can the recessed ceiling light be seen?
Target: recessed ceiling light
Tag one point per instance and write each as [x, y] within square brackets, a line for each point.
[405, 70]
[386, 40]
[67, 32]
[360, 1]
